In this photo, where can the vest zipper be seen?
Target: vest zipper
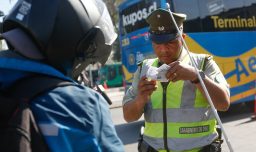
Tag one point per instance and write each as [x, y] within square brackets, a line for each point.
[164, 85]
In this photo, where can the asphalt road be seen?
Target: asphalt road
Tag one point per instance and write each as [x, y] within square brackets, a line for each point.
[238, 122]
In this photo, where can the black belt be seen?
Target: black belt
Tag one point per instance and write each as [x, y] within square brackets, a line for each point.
[213, 147]
[145, 147]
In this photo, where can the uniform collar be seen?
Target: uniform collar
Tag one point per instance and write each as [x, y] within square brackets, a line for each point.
[183, 54]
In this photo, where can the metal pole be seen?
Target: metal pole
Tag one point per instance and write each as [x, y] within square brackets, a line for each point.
[255, 100]
[201, 81]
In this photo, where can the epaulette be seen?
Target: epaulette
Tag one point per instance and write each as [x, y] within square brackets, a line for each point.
[206, 59]
[139, 64]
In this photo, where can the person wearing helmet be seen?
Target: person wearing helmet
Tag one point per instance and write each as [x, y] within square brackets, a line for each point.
[59, 38]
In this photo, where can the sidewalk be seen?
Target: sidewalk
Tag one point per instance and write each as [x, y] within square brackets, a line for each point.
[116, 96]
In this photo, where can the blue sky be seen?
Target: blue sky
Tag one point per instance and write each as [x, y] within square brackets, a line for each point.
[5, 5]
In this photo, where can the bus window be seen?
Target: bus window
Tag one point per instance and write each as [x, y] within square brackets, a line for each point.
[250, 11]
[231, 4]
[248, 2]
[212, 7]
[120, 70]
[188, 7]
[111, 73]
[193, 23]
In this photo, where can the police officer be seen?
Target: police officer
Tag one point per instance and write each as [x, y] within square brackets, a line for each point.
[59, 38]
[177, 115]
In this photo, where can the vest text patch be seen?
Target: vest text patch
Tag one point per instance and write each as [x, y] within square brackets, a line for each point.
[193, 130]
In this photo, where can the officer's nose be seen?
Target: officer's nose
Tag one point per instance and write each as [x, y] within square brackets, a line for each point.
[162, 48]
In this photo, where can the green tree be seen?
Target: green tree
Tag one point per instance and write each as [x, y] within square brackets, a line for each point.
[112, 6]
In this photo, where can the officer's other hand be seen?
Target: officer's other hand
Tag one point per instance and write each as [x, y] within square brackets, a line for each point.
[146, 88]
[180, 71]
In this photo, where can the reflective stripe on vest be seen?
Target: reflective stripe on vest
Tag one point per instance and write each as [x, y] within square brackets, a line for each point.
[190, 121]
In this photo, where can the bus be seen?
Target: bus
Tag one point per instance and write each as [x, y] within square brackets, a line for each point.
[111, 75]
[226, 29]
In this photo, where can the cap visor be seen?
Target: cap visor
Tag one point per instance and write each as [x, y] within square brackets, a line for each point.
[162, 38]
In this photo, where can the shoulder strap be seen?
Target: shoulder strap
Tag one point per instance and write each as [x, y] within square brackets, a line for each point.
[19, 131]
[204, 62]
[140, 65]
[30, 87]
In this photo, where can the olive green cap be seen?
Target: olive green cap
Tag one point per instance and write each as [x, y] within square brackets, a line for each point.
[161, 26]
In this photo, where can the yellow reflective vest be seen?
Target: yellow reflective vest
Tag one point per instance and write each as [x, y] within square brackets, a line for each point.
[178, 117]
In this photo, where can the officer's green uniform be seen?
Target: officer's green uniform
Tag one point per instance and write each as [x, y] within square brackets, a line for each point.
[177, 117]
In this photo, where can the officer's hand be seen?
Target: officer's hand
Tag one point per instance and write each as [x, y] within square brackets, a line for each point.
[146, 88]
[180, 71]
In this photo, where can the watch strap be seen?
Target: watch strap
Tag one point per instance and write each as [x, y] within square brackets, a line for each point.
[196, 81]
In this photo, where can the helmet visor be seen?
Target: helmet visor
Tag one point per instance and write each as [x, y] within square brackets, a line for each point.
[105, 24]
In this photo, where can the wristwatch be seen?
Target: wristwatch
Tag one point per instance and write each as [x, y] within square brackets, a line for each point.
[196, 81]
